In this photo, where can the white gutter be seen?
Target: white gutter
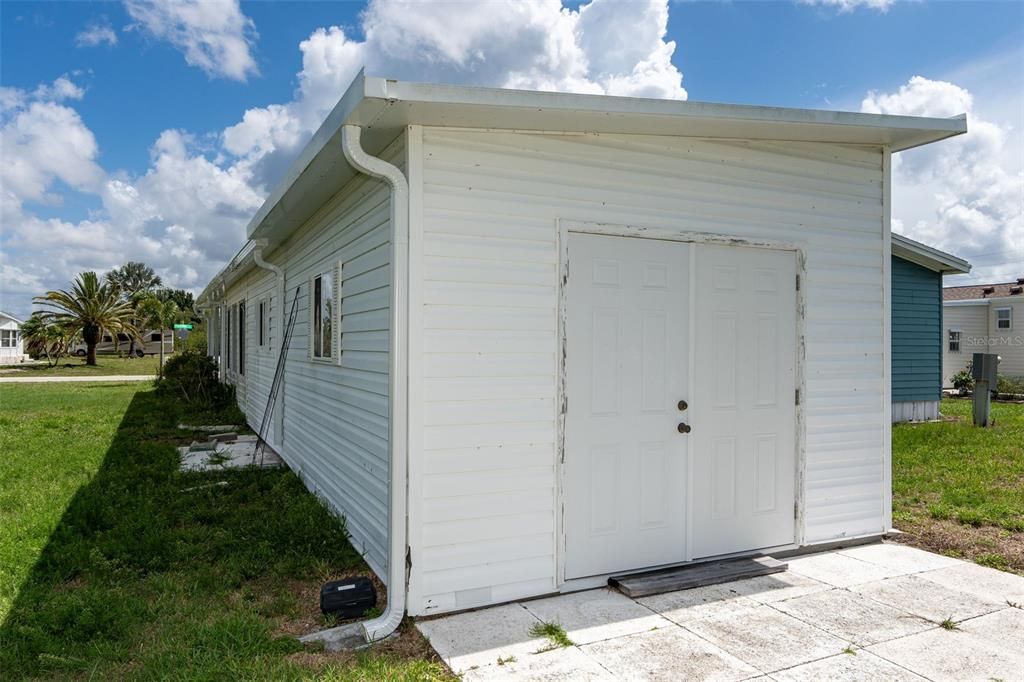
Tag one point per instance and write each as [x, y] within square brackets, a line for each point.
[257, 258]
[389, 621]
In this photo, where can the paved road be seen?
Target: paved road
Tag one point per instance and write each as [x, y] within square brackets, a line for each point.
[85, 379]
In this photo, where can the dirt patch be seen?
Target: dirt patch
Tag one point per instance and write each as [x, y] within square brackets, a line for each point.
[408, 645]
[986, 545]
[306, 617]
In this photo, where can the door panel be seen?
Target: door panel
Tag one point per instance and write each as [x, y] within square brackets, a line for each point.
[743, 442]
[625, 466]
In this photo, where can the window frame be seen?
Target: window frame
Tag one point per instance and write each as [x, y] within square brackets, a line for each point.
[317, 341]
[9, 338]
[958, 340]
[1009, 318]
[262, 337]
[241, 337]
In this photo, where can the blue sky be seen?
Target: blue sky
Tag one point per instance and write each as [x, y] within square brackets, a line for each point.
[139, 81]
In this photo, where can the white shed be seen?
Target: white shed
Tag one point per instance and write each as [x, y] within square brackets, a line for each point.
[12, 347]
[541, 339]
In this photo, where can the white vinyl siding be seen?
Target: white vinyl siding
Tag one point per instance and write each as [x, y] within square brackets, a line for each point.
[484, 508]
[1009, 343]
[972, 323]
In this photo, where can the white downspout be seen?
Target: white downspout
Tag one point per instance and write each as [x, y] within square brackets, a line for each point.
[389, 621]
[257, 257]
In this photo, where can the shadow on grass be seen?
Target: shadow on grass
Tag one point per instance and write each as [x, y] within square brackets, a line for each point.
[153, 573]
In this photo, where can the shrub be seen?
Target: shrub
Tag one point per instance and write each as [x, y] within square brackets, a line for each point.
[192, 378]
[195, 342]
[1007, 384]
[963, 381]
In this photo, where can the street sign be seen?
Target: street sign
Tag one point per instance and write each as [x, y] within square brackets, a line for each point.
[182, 326]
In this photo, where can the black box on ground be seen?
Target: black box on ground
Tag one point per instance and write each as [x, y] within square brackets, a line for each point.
[349, 598]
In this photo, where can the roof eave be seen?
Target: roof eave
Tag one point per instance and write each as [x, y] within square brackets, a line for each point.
[928, 256]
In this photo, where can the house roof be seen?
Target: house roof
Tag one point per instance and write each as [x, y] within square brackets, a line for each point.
[382, 107]
[983, 292]
[10, 317]
[928, 256]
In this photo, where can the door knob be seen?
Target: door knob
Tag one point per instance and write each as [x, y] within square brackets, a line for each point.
[683, 427]
[682, 405]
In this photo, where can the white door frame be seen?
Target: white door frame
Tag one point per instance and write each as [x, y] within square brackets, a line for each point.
[563, 228]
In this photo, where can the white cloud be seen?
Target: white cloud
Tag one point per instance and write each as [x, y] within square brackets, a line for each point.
[213, 34]
[964, 195]
[850, 5]
[42, 140]
[96, 33]
[605, 47]
[186, 215]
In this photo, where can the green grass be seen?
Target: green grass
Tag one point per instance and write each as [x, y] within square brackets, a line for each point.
[553, 632]
[955, 471]
[73, 366]
[109, 570]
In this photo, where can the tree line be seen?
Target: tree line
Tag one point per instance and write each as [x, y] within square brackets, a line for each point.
[126, 301]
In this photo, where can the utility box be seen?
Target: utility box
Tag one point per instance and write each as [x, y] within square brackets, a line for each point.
[984, 368]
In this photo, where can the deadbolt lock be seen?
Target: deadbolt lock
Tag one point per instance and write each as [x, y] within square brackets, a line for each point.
[682, 405]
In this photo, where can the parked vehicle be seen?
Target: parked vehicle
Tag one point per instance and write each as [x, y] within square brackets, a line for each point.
[150, 344]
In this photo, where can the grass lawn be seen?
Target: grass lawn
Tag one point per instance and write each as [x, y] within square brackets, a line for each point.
[115, 565]
[74, 366]
[959, 489]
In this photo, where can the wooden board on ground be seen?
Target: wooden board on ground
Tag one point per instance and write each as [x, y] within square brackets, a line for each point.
[694, 575]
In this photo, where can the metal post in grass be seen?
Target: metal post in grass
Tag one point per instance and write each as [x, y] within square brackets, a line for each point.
[984, 372]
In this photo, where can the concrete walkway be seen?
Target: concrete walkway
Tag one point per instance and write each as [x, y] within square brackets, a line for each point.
[869, 612]
[83, 379]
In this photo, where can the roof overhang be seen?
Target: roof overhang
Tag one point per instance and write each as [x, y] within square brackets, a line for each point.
[384, 107]
[928, 257]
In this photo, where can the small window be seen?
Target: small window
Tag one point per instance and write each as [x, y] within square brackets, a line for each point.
[155, 336]
[1004, 319]
[8, 338]
[954, 340]
[122, 338]
[323, 316]
[241, 337]
[227, 336]
[263, 320]
[107, 338]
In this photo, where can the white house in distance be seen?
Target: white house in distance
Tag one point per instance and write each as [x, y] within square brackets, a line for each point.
[12, 349]
[984, 318]
[542, 338]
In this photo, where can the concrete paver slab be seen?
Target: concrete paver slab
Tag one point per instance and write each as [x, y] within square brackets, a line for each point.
[900, 557]
[1004, 628]
[838, 569]
[557, 665]
[927, 599]
[853, 617]
[594, 615]
[479, 638]
[767, 639]
[669, 654]
[700, 602]
[980, 581]
[768, 589]
[952, 655]
[861, 665]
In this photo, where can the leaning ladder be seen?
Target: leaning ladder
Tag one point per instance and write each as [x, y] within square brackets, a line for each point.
[275, 386]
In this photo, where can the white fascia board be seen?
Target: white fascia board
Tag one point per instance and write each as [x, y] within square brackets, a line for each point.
[928, 257]
[383, 108]
[240, 264]
[966, 302]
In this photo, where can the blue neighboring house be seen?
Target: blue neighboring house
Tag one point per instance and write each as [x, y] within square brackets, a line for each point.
[917, 339]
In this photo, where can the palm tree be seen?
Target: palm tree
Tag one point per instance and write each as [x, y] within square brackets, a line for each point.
[161, 315]
[133, 280]
[89, 308]
[45, 338]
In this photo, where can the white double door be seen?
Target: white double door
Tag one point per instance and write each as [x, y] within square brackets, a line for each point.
[680, 387]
